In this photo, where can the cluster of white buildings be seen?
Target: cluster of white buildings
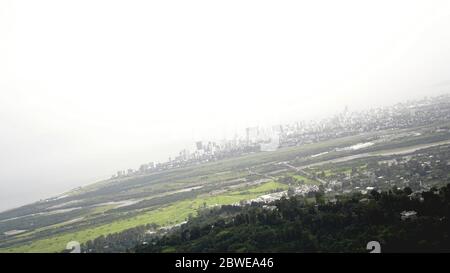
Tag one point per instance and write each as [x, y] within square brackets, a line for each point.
[300, 190]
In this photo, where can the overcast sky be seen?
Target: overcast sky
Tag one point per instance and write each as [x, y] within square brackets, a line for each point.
[89, 87]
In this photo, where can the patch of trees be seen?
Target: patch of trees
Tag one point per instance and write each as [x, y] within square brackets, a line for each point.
[295, 225]
[119, 242]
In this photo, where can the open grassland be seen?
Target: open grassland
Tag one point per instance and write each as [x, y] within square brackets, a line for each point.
[301, 179]
[172, 214]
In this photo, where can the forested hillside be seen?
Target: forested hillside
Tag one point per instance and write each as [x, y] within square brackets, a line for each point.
[399, 220]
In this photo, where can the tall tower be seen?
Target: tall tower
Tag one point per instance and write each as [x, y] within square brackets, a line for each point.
[247, 131]
[199, 145]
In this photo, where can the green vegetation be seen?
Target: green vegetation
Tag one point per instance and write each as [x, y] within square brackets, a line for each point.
[169, 215]
[299, 226]
[301, 179]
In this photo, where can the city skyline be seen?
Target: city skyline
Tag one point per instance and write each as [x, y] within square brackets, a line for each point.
[240, 140]
[256, 135]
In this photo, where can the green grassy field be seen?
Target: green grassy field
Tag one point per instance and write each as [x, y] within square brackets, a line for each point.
[166, 216]
[306, 180]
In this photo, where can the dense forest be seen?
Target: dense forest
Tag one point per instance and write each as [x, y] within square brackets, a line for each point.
[402, 221]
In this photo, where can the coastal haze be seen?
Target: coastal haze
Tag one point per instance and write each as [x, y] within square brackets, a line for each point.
[91, 87]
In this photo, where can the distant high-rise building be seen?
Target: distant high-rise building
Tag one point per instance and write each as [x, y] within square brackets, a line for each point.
[251, 134]
[143, 168]
[184, 154]
[277, 128]
[199, 145]
[273, 145]
[247, 135]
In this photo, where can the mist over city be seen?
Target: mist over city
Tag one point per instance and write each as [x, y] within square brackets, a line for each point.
[116, 114]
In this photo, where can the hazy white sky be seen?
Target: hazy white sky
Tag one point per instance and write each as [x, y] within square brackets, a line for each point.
[88, 87]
